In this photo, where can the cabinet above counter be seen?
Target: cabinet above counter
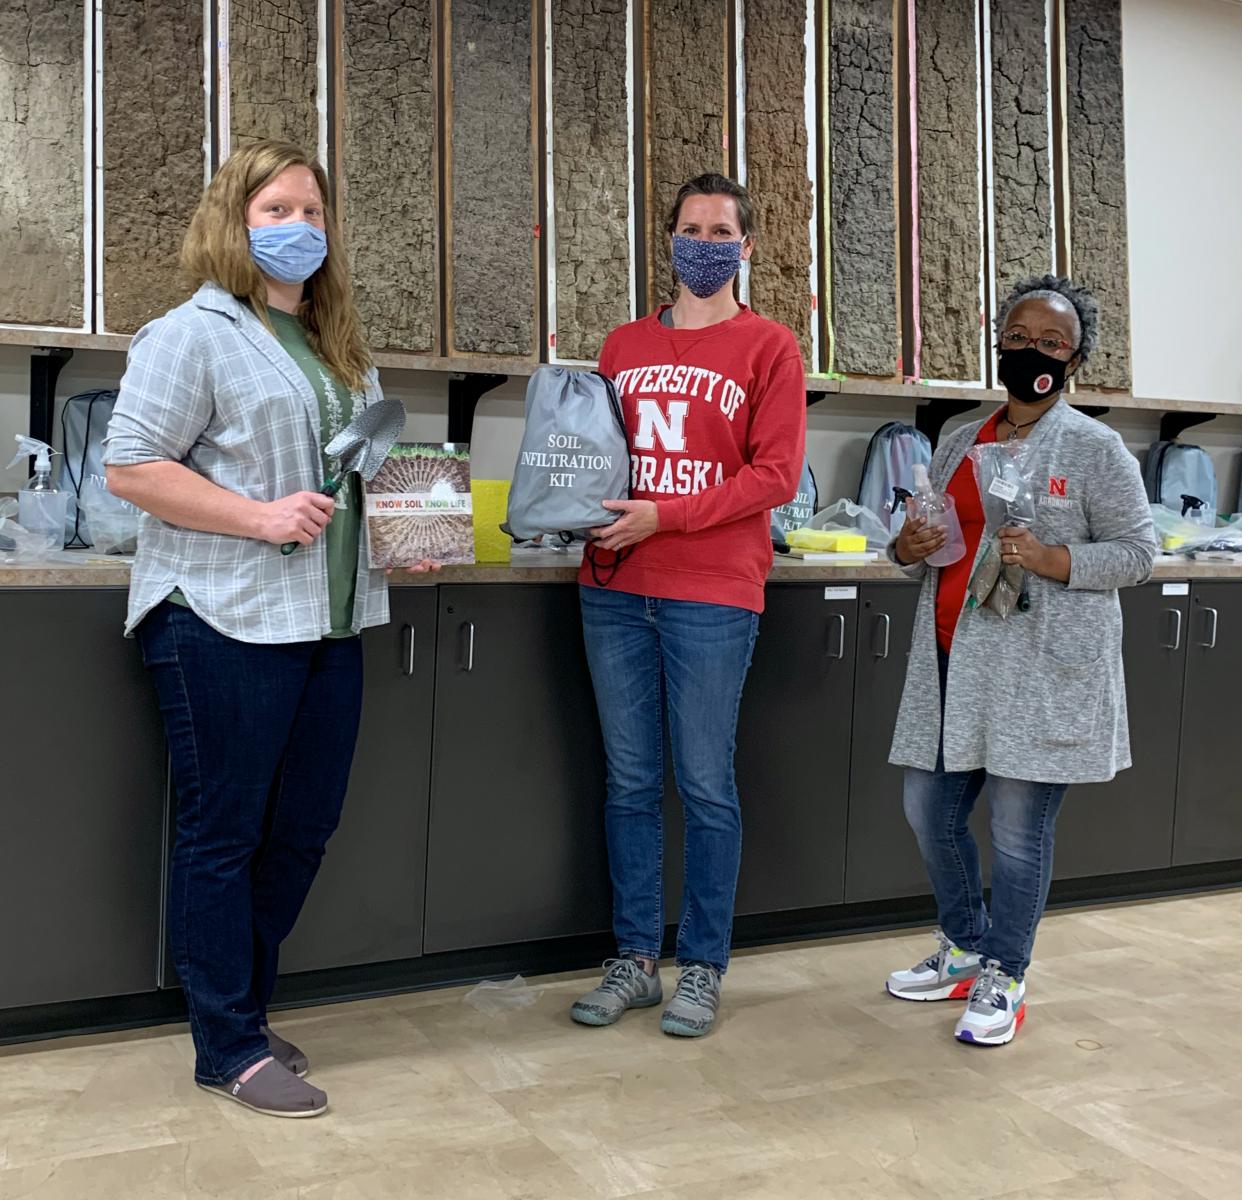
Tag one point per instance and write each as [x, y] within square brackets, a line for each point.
[94, 571]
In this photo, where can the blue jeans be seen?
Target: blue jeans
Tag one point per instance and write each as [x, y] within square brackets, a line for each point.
[644, 652]
[938, 806]
[261, 739]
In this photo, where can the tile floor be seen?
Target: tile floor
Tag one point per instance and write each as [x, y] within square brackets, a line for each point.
[1125, 1083]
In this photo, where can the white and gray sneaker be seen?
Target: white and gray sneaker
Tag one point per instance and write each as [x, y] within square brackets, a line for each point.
[996, 1009]
[692, 1010]
[948, 974]
[625, 985]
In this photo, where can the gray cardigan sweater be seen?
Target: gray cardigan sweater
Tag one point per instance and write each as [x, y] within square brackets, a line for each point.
[1040, 696]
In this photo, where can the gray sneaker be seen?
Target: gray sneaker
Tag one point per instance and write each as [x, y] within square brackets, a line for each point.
[692, 1010]
[625, 985]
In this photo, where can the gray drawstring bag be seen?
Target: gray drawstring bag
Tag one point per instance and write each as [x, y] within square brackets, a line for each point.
[798, 512]
[574, 456]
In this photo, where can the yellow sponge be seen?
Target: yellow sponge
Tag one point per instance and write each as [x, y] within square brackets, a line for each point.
[838, 540]
[490, 501]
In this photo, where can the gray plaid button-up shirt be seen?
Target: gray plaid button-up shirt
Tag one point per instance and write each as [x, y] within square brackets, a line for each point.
[209, 387]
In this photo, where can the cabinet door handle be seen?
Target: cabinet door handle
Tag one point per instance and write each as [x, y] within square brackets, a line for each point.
[1210, 644]
[884, 623]
[1176, 642]
[468, 629]
[837, 621]
[407, 649]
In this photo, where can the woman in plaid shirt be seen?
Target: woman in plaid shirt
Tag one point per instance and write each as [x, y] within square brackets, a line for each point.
[217, 435]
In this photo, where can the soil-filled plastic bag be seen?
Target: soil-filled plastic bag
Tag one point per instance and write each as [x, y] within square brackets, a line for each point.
[1006, 486]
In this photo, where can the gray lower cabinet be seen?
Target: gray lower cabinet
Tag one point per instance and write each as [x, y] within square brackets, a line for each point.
[793, 750]
[475, 811]
[516, 844]
[1209, 798]
[792, 760]
[882, 860]
[81, 803]
[1127, 824]
[366, 905]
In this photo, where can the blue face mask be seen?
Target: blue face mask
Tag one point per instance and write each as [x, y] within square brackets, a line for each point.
[291, 252]
[705, 267]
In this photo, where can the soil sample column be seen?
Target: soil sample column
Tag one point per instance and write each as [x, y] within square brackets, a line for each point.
[862, 268]
[42, 162]
[153, 126]
[390, 170]
[687, 53]
[590, 173]
[273, 76]
[776, 163]
[1096, 169]
[948, 188]
[492, 214]
[1021, 148]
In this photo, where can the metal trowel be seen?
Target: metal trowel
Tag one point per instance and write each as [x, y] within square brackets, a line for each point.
[361, 446]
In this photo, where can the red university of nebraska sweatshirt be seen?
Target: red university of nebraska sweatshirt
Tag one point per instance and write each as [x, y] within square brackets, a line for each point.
[716, 420]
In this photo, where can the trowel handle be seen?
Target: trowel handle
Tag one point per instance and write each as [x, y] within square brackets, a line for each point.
[329, 489]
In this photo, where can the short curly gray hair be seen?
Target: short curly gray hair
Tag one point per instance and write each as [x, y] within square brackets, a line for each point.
[1044, 287]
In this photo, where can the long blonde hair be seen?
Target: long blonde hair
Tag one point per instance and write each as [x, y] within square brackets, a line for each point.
[217, 249]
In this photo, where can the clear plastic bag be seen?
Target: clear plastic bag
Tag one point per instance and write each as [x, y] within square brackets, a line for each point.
[496, 997]
[1007, 489]
[848, 517]
[20, 547]
[1181, 535]
[113, 522]
[1006, 483]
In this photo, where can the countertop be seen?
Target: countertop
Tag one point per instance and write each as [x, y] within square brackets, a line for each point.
[92, 571]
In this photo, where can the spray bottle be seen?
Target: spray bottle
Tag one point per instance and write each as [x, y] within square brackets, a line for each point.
[41, 509]
[938, 509]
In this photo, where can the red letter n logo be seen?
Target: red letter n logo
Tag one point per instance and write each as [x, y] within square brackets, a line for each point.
[1056, 487]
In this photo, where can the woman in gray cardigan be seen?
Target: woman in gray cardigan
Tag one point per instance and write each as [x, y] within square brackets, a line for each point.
[1029, 703]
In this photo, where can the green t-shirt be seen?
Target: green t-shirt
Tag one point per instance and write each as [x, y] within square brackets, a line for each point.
[336, 409]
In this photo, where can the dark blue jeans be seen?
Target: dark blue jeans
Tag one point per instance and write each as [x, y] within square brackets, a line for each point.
[645, 653]
[938, 806]
[262, 739]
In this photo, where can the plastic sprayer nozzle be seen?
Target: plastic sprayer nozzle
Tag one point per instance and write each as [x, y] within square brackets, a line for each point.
[31, 447]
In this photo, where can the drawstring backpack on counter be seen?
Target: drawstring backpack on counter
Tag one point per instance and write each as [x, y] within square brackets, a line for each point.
[797, 513]
[888, 471]
[83, 427]
[1182, 477]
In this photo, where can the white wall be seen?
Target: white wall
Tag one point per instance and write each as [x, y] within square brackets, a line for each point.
[1183, 90]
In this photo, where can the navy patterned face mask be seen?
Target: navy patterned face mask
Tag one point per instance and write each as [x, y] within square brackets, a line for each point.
[705, 267]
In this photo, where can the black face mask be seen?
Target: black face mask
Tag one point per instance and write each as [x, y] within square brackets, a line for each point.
[1030, 375]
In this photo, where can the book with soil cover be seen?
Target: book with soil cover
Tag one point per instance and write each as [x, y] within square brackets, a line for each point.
[418, 506]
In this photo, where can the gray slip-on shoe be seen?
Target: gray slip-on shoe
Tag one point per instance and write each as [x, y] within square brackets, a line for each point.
[285, 1052]
[625, 985]
[274, 1091]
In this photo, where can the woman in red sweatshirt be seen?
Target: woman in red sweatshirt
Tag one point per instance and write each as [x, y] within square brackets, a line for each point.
[715, 410]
